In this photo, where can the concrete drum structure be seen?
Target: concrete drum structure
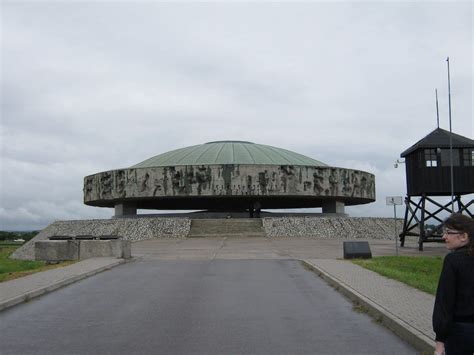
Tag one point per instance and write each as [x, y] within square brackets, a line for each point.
[229, 176]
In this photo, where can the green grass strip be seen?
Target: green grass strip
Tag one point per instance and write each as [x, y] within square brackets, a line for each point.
[421, 272]
[12, 269]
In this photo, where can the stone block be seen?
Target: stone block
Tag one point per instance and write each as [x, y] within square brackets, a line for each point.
[105, 248]
[357, 249]
[94, 248]
[56, 250]
[121, 248]
[126, 246]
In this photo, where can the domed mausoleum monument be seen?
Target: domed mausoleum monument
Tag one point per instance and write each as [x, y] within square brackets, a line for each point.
[229, 176]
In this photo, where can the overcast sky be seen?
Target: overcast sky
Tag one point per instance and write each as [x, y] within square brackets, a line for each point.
[88, 87]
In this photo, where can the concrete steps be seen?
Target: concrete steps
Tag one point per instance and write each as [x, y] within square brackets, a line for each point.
[232, 227]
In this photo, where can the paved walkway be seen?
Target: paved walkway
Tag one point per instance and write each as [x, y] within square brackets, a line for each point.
[402, 308]
[22, 289]
[268, 248]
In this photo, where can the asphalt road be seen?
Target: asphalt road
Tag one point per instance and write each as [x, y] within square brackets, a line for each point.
[196, 307]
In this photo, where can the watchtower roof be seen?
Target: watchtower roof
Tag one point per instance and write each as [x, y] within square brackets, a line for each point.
[439, 138]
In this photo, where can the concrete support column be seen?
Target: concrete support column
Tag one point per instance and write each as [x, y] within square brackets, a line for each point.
[333, 207]
[125, 209]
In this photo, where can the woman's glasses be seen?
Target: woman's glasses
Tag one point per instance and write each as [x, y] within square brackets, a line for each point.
[451, 232]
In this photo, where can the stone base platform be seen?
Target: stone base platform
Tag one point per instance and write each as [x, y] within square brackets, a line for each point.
[143, 228]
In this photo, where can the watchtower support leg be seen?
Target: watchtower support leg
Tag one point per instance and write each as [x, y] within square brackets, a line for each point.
[421, 239]
[405, 222]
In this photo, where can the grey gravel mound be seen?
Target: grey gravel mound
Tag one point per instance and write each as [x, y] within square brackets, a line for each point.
[332, 227]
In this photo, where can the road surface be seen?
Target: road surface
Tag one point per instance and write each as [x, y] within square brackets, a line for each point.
[196, 307]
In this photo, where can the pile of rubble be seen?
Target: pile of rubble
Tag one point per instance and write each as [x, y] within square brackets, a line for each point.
[332, 228]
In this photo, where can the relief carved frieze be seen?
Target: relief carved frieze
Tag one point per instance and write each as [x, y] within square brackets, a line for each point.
[229, 180]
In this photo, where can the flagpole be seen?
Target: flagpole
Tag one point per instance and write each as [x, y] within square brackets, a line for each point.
[437, 109]
[450, 140]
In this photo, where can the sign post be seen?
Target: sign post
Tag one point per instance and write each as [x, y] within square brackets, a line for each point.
[394, 201]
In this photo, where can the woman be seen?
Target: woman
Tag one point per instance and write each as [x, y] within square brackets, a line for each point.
[453, 315]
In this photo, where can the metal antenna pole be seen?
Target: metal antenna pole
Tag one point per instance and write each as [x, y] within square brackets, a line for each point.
[450, 141]
[396, 229]
[437, 109]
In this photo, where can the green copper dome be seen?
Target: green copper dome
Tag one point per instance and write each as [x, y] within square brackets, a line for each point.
[229, 152]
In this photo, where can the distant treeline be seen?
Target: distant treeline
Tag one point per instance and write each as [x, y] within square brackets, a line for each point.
[17, 235]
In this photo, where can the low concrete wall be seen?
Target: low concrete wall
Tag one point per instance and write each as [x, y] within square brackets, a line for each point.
[61, 250]
[97, 248]
[132, 229]
[57, 250]
[332, 228]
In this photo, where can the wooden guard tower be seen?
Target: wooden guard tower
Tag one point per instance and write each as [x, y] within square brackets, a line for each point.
[428, 174]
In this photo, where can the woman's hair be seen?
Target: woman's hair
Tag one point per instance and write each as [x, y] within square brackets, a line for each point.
[462, 223]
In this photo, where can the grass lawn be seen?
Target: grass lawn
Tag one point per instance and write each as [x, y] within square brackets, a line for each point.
[12, 269]
[421, 272]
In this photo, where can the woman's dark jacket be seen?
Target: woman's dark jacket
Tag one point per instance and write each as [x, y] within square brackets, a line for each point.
[455, 295]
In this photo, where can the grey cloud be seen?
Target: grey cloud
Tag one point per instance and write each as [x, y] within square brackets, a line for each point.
[88, 87]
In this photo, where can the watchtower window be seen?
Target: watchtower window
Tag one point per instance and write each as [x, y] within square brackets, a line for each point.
[468, 157]
[446, 157]
[431, 160]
